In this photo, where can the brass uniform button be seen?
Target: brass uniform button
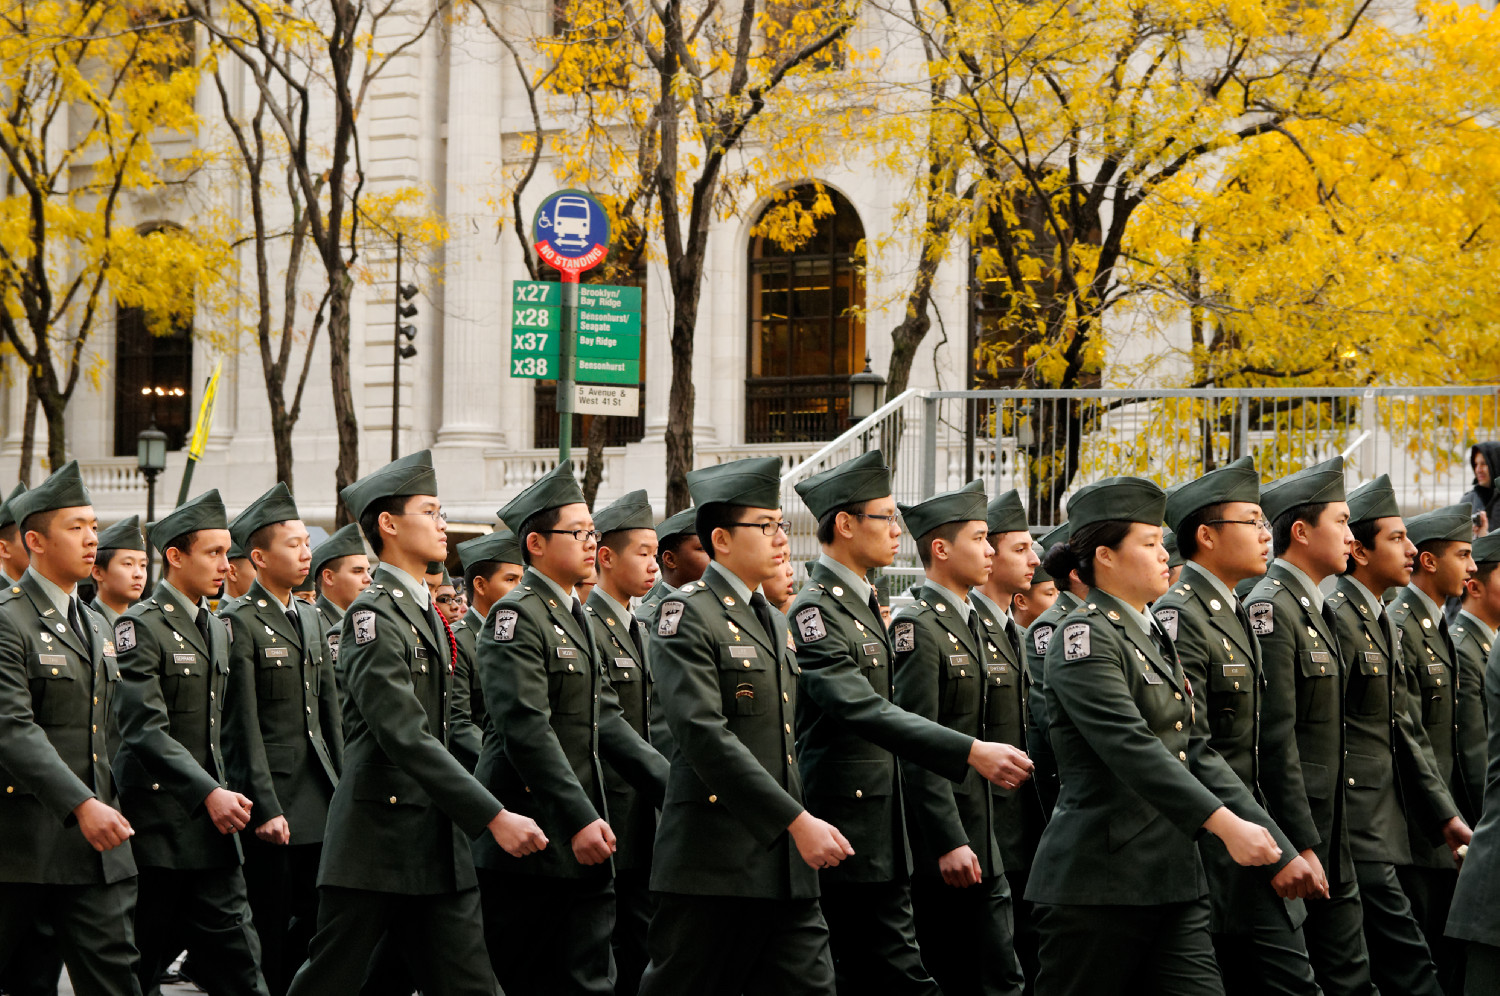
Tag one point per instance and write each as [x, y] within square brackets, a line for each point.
[713, 798]
[858, 794]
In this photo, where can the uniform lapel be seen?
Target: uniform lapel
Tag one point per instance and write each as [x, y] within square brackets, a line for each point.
[1434, 634]
[271, 613]
[559, 611]
[741, 614]
[950, 620]
[1224, 619]
[851, 604]
[1145, 648]
[177, 620]
[406, 604]
[50, 618]
[1296, 590]
[1356, 599]
[615, 626]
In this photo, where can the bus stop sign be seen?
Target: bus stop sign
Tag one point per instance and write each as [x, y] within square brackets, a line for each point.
[570, 232]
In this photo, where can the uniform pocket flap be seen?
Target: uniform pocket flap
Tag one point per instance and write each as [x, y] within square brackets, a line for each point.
[742, 657]
[388, 785]
[49, 666]
[281, 758]
[851, 779]
[1317, 663]
[1315, 779]
[1365, 772]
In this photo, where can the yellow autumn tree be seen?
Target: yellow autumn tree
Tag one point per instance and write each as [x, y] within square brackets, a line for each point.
[89, 87]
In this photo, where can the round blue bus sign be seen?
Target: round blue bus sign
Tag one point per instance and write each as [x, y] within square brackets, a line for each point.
[570, 232]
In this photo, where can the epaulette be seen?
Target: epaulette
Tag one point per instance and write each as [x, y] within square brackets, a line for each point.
[10, 594]
[688, 590]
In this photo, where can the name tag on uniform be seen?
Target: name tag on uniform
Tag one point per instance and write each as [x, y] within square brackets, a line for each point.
[1236, 671]
[999, 667]
[421, 653]
[184, 658]
[567, 652]
[1372, 656]
[53, 660]
[276, 651]
[1320, 656]
[871, 649]
[1152, 678]
[1435, 669]
[958, 660]
[624, 662]
[742, 651]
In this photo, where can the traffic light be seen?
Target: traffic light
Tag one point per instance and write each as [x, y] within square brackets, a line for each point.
[406, 309]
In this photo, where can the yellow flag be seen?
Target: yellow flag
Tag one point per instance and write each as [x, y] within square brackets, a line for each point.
[205, 414]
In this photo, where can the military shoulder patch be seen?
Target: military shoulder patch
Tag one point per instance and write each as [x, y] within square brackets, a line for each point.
[1168, 620]
[904, 636]
[124, 635]
[505, 625]
[1076, 641]
[364, 626]
[1261, 619]
[333, 647]
[810, 624]
[671, 616]
[1041, 638]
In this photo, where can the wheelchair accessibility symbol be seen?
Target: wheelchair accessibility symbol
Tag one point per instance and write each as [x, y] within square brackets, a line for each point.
[570, 232]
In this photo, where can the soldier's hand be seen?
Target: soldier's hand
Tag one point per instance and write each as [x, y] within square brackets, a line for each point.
[1299, 880]
[275, 831]
[517, 835]
[594, 843]
[1482, 526]
[1247, 843]
[1456, 834]
[103, 826]
[819, 842]
[1002, 764]
[960, 867]
[229, 811]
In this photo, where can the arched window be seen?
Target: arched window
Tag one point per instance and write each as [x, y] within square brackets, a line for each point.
[153, 379]
[806, 336]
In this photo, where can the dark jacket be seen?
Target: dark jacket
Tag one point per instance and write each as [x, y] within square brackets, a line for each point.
[1474, 915]
[1486, 499]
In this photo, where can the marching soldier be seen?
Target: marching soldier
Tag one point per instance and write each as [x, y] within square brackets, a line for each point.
[283, 741]
[736, 858]
[240, 577]
[67, 860]
[682, 559]
[947, 668]
[626, 567]
[1473, 638]
[1057, 562]
[1303, 709]
[396, 858]
[1027, 606]
[119, 570]
[1475, 916]
[1391, 780]
[1122, 904]
[13, 556]
[1019, 815]
[1444, 542]
[848, 729]
[1256, 914]
[492, 567]
[548, 918]
[341, 570]
[174, 662]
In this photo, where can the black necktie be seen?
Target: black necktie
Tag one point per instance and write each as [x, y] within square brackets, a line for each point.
[763, 613]
[75, 619]
[874, 606]
[977, 628]
[201, 620]
[1013, 636]
[576, 608]
[291, 617]
[635, 635]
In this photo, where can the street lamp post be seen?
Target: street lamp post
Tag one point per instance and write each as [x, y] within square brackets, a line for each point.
[150, 460]
[865, 389]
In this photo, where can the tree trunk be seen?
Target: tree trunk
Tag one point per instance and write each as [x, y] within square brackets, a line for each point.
[345, 416]
[55, 410]
[681, 398]
[593, 467]
[28, 434]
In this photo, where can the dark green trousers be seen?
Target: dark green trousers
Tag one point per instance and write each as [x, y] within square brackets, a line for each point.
[549, 936]
[634, 906]
[967, 937]
[1482, 970]
[34, 963]
[1335, 935]
[281, 881]
[439, 937]
[727, 946]
[205, 911]
[1400, 961]
[873, 937]
[1265, 959]
[92, 929]
[1125, 950]
[1430, 891]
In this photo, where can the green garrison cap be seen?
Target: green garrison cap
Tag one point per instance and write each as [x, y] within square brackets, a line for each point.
[683, 523]
[63, 489]
[123, 535]
[1117, 499]
[1174, 555]
[964, 505]
[554, 489]
[236, 552]
[1373, 500]
[1487, 549]
[345, 542]
[1039, 573]
[411, 475]
[1006, 514]
[632, 511]
[1314, 486]
[1450, 523]
[882, 588]
[863, 478]
[1057, 535]
[203, 512]
[1237, 481]
[7, 517]
[447, 579]
[276, 505]
[500, 545]
[754, 482]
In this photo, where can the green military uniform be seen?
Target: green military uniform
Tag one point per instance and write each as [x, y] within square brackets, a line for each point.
[1475, 916]
[1258, 939]
[396, 856]
[949, 670]
[123, 535]
[499, 546]
[723, 660]
[283, 745]
[548, 919]
[171, 707]
[1303, 708]
[344, 542]
[1034, 646]
[226, 601]
[57, 688]
[670, 528]
[1120, 888]
[848, 728]
[1388, 775]
[1433, 684]
[1473, 640]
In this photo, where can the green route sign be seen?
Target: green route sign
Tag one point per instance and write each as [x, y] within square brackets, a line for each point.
[608, 332]
[535, 329]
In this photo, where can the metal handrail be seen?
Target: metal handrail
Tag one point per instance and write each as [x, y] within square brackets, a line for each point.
[1212, 392]
[860, 428]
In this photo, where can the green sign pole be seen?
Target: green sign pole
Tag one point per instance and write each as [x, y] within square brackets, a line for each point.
[565, 389]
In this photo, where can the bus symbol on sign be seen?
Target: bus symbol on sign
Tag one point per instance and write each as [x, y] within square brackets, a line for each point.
[570, 232]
